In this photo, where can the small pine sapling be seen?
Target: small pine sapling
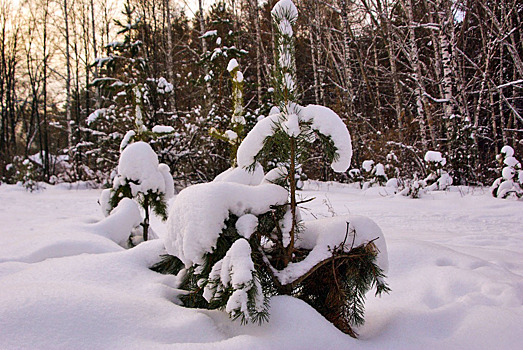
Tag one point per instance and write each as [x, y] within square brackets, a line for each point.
[235, 244]
[235, 134]
[438, 178]
[511, 180]
[142, 178]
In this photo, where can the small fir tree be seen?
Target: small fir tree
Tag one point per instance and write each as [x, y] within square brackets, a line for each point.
[141, 178]
[511, 180]
[437, 178]
[237, 245]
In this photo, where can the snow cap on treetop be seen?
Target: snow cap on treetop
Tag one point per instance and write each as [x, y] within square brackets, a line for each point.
[287, 9]
[507, 151]
[139, 165]
[435, 157]
[232, 65]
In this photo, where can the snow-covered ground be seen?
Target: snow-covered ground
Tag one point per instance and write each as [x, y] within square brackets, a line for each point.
[456, 274]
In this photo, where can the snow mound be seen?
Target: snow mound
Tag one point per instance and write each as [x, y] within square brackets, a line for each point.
[199, 212]
[119, 224]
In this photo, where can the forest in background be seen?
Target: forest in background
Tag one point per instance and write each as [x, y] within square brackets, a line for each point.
[407, 76]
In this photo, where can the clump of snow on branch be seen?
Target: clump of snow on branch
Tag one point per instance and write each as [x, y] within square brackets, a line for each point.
[138, 166]
[198, 215]
[242, 176]
[323, 120]
[162, 129]
[438, 179]
[323, 235]
[435, 157]
[236, 271]
[285, 8]
[164, 87]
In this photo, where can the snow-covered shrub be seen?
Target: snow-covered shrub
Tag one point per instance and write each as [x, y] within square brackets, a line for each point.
[236, 243]
[511, 180]
[24, 173]
[438, 178]
[140, 177]
[414, 187]
[373, 174]
[392, 167]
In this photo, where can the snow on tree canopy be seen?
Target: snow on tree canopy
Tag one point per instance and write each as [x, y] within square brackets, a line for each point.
[242, 176]
[435, 157]
[379, 170]
[285, 8]
[323, 235]
[367, 165]
[235, 270]
[328, 123]
[507, 151]
[139, 166]
[512, 162]
[198, 215]
[232, 65]
[162, 129]
[322, 119]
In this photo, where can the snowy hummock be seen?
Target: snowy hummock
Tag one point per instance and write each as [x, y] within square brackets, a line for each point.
[138, 166]
[162, 129]
[324, 234]
[198, 215]
[123, 219]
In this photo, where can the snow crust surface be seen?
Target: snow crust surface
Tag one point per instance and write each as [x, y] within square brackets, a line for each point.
[455, 271]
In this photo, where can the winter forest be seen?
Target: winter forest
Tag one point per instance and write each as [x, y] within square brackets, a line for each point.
[247, 174]
[406, 76]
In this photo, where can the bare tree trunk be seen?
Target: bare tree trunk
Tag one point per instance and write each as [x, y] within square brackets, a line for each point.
[98, 100]
[419, 90]
[169, 54]
[45, 160]
[204, 44]
[68, 82]
[346, 59]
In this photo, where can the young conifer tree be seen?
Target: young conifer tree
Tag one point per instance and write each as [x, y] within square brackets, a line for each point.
[235, 134]
[237, 244]
[287, 134]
